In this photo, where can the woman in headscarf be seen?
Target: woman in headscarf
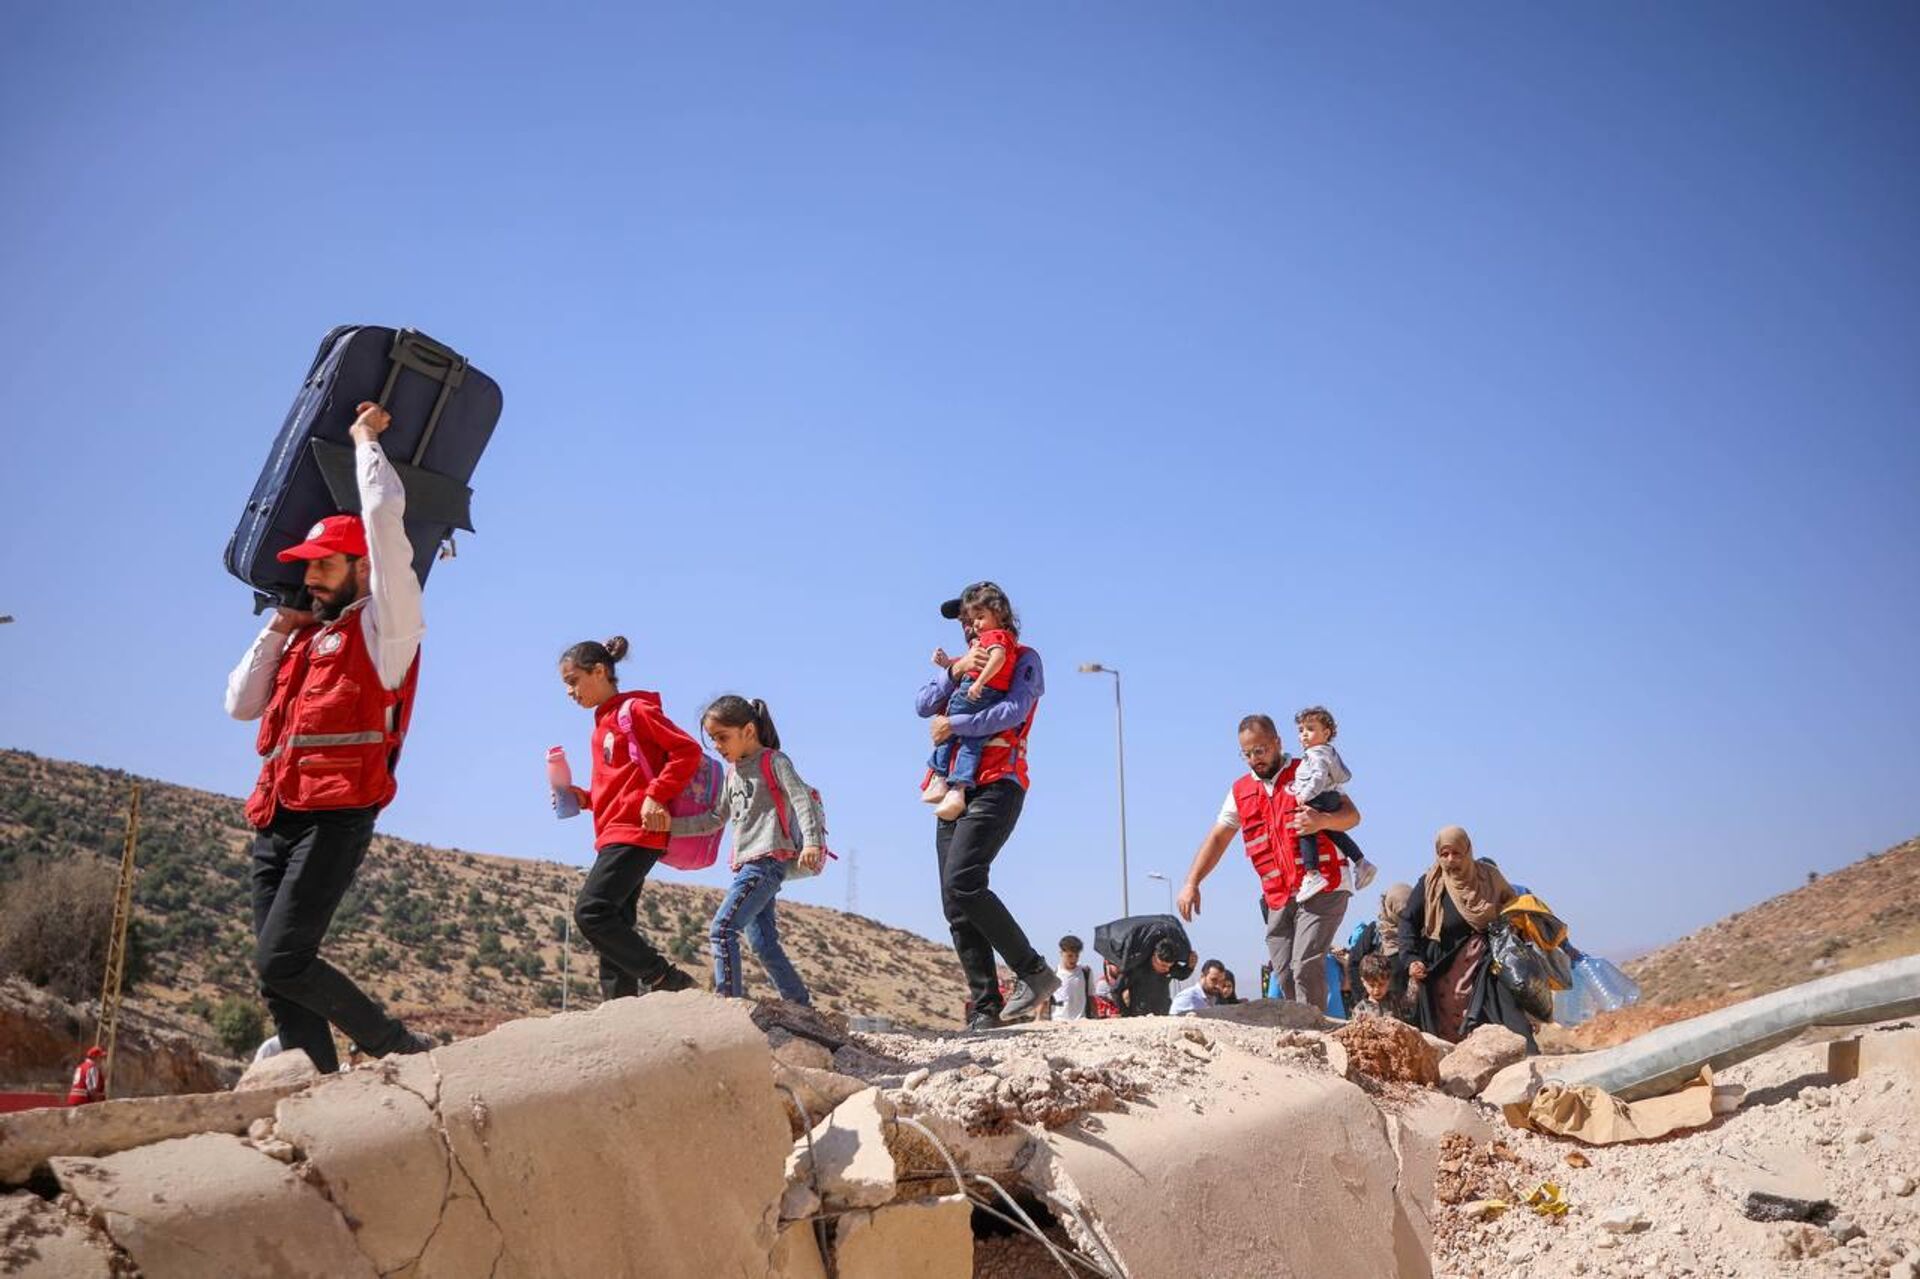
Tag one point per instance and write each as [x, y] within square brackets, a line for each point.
[1444, 952]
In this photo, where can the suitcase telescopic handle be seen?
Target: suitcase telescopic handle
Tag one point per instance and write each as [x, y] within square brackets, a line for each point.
[414, 350]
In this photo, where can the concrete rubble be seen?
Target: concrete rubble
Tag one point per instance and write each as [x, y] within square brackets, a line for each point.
[681, 1134]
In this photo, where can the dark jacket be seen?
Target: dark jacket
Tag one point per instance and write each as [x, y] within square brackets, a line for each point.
[1129, 944]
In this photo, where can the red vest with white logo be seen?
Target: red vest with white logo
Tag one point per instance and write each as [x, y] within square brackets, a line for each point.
[86, 1084]
[1271, 846]
[332, 732]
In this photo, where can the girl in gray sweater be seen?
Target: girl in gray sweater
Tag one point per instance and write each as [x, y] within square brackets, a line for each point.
[777, 829]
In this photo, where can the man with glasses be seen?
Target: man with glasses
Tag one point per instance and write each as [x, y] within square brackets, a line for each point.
[1261, 809]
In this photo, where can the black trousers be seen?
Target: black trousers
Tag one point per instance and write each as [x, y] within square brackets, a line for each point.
[608, 912]
[980, 921]
[303, 865]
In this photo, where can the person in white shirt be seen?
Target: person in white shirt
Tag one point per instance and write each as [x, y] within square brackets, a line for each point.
[1215, 986]
[333, 689]
[1263, 813]
[1074, 999]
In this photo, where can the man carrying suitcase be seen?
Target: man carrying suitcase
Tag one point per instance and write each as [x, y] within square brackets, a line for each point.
[333, 689]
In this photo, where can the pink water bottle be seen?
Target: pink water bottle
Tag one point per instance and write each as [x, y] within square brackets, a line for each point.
[560, 777]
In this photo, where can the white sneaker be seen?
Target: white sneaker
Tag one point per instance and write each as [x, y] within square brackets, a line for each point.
[1312, 886]
[935, 792]
[1363, 873]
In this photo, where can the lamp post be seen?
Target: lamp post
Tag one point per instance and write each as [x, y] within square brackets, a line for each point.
[1154, 874]
[1120, 749]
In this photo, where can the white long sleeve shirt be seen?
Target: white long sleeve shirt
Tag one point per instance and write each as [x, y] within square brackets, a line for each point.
[391, 620]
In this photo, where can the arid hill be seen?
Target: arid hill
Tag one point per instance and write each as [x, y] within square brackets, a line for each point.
[1856, 916]
[454, 941]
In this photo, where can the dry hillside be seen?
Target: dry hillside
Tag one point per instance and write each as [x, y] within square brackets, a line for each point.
[1856, 916]
[452, 940]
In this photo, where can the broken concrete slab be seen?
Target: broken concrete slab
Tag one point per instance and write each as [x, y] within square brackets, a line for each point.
[29, 1138]
[796, 1254]
[1775, 1183]
[211, 1206]
[846, 1158]
[1246, 1185]
[923, 1239]
[791, 1050]
[289, 1069]
[537, 1112]
[378, 1150]
[1895, 1050]
[38, 1239]
[809, 1096]
[1475, 1060]
[1277, 1014]
[1416, 1131]
[1388, 1050]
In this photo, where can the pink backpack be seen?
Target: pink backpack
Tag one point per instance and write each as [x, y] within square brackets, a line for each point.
[797, 839]
[684, 852]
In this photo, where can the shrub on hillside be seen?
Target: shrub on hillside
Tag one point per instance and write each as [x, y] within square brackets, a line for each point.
[54, 922]
[239, 1025]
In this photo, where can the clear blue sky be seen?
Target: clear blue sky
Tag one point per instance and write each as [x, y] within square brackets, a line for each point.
[1535, 387]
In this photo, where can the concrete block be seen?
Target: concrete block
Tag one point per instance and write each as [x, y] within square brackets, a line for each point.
[290, 1069]
[31, 1137]
[1897, 1050]
[810, 1095]
[213, 1207]
[796, 1254]
[1292, 1173]
[38, 1239]
[1415, 1132]
[1478, 1058]
[846, 1157]
[923, 1239]
[577, 1131]
[378, 1148]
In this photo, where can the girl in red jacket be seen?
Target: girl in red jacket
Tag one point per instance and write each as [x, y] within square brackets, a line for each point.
[633, 778]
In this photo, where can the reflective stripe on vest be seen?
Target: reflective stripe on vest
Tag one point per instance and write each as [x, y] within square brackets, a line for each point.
[367, 738]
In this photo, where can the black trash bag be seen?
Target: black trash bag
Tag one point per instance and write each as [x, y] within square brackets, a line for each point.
[1522, 968]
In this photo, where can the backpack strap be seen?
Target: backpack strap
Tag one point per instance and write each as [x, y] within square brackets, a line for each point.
[624, 717]
[779, 796]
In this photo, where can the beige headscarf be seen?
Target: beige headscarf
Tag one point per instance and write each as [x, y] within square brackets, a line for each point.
[1478, 890]
[1393, 904]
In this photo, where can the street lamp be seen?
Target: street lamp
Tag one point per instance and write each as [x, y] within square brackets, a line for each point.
[1154, 874]
[1120, 747]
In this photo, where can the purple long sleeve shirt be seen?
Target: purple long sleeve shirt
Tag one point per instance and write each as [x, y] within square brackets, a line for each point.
[1005, 715]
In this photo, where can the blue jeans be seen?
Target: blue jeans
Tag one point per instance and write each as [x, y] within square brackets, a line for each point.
[958, 758]
[748, 908]
[1327, 801]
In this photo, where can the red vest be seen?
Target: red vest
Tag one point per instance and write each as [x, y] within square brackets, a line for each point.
[1273, 848]
[86, 1084]
[331, 733]
[1005, 754]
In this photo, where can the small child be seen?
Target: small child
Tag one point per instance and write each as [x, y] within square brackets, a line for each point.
[956, 762]
[763, 849]
[1316, 784]
[1376, 974]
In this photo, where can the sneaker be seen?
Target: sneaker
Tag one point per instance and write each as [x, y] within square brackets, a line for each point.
[1313, 885]
[673, 979]
[415, 1043]
[954, 804]
[1029, 993]
[983, 1021]
[935, 792]
[1363, 873]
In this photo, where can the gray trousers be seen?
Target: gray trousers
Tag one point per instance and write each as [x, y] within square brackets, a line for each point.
[1299, 935]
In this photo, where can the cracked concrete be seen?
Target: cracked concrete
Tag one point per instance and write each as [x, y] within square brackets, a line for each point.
[30, 1137]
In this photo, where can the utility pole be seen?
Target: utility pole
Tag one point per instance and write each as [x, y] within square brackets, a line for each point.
[853, 881]
[1120, 755]
[117, 946]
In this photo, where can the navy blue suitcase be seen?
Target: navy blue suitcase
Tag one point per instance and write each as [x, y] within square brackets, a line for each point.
[444, 411]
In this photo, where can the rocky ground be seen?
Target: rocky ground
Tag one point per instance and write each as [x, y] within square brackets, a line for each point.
[1674, 1206]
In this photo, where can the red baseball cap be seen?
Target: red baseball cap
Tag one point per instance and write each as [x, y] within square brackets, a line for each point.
[335, 535]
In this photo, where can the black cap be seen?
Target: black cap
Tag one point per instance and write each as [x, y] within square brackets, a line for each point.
[951, 608]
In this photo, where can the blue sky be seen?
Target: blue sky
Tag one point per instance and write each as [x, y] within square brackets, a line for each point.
[1535, 387]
